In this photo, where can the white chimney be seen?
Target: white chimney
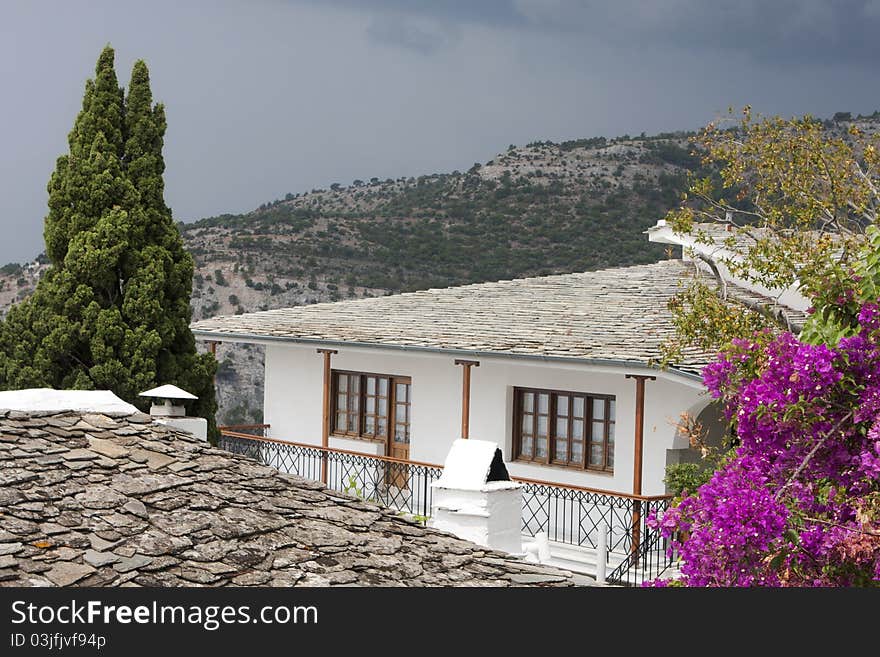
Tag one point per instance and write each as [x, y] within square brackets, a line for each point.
[174, 415]
[475, 498]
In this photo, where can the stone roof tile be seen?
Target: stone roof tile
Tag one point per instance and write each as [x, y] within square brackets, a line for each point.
[615, 314]
[209, 518]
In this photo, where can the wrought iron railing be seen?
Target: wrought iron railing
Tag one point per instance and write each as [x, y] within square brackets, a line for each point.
[394, 483]
[574, 514]
[567, 514]
[650, 561]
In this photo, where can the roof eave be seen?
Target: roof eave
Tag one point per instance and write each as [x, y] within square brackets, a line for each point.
[229, 336]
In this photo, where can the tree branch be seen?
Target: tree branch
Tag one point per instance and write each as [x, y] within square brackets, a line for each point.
[772, 312]
[809, 457]
[719, 279]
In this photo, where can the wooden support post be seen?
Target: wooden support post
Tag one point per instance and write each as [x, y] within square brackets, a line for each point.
[638, 449]
[466, 393]
[325, 412]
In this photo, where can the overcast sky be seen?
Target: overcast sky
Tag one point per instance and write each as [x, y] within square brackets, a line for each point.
[266, 97]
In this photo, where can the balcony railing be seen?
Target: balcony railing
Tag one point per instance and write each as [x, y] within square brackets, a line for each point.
[567, 514]
[394, 483]
[574, 514]
[649, 562]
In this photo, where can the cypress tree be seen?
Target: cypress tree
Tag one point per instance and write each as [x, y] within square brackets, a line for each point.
[112, 311]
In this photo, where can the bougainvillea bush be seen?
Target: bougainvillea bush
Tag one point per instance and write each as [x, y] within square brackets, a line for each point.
[799, 504]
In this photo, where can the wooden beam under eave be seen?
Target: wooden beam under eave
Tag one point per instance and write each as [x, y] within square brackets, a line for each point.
[638, 449]
[325, 411]
[466, 394]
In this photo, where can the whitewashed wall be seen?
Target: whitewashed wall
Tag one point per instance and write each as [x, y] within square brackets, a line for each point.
[293, 403]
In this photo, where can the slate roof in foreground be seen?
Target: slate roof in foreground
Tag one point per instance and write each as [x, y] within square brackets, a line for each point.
[92, 499]
[612, 315]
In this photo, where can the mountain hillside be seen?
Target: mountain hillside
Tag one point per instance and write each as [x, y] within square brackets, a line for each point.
[538, 209]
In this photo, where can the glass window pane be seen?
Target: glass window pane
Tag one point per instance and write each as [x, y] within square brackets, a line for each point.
[598, 409]
[352, 424]
[562, 428]
[400, 414]
[342, 383]
[611, 432]
[577, 452]
[577, 429]
[578, 407]
[526, 447]
[383, 407]
[382, 427]
[611, 410]
[370, 403]
[528, 402]
[562, 405]
[527, 425]
[353, 404]
[598, 434]
[610, 456]
[541, 448]
[401, 392]
[401, 433]
[341, 402]
[340, 422]
[370, 425]
[561, 450]
[354, 383]
[542, 425]
[371, 385]
[543, 403]
[595, 454]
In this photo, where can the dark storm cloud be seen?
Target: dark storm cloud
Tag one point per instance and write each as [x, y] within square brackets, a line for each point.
[780, 31]
[424, 37]
[266, 97]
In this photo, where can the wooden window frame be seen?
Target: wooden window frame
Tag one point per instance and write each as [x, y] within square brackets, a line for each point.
[390, 418]
[587, 439]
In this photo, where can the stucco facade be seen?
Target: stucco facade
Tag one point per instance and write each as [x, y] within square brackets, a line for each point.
[294, 394]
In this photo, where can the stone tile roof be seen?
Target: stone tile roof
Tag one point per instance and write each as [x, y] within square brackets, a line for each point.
[101, 500]
[617, 315]
[608, 315]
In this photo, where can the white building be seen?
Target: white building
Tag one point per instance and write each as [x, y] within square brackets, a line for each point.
[551, 387]
[559, 371]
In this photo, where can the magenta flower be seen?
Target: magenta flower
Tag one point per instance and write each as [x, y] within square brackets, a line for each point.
[799, 503]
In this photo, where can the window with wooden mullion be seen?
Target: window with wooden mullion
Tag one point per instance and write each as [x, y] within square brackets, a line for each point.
[565, 428]
[568, 429]
[348, 404]
[601, 452]
[362, 405]
[534, 434]
[375, 407]
[402, 404]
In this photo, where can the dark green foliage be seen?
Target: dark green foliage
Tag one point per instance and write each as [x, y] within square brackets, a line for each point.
[671, 153]
[686, 478]
[11, 269]
[593, 142]
[112, 311]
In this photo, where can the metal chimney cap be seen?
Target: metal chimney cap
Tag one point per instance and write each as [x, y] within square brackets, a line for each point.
[168, 391]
